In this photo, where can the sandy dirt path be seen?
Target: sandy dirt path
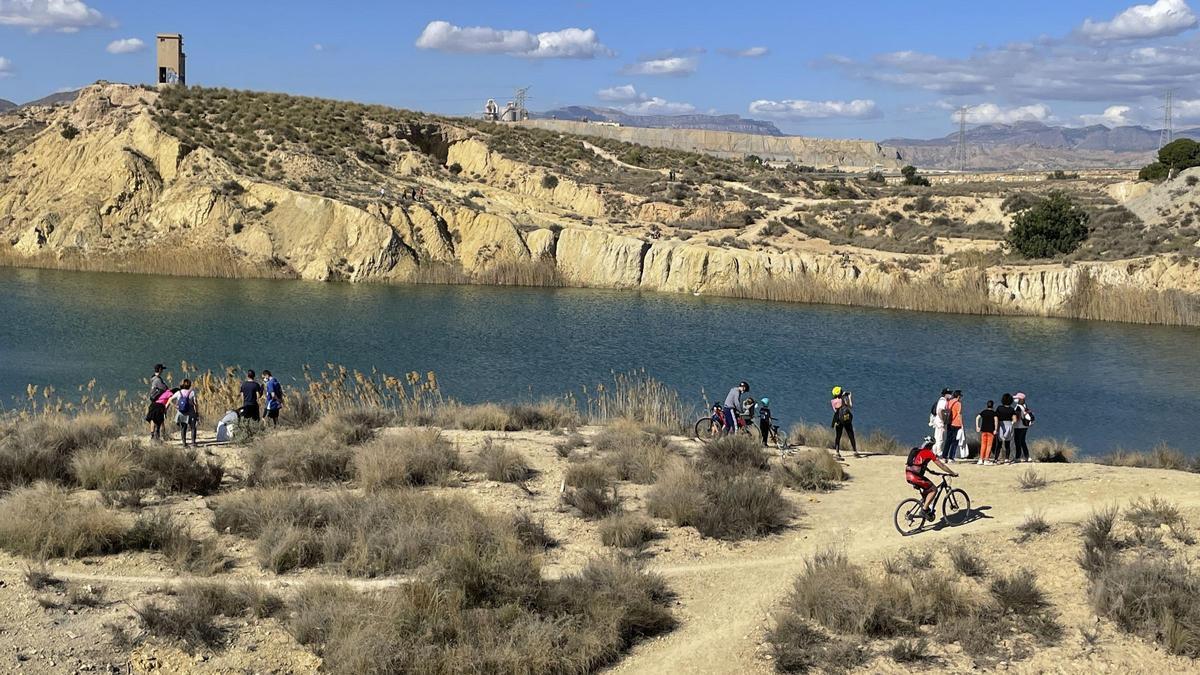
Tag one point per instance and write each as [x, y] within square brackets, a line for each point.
[726, 601]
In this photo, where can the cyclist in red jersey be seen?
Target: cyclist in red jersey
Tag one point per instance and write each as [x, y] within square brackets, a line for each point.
[914, 473]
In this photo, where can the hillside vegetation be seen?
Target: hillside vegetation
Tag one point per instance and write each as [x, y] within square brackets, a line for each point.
[234, 183]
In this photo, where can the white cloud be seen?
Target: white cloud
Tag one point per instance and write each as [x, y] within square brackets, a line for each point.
[802, 110]
[1161, 19]
[747, 53]
[1113, 116]
[318, 47]
[657, 106]
[628, 99]
[622, 94]
[64, 16]
[666, 65]
[990, 113]
[5, 67]
[126, 46]
[569, 43]
[1187, 110]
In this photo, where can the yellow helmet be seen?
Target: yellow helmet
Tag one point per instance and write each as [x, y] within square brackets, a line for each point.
[837, 391]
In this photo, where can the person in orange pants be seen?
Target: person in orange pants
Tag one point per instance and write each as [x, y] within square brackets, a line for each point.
[985, 425]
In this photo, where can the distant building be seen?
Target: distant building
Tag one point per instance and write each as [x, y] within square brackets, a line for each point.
[172, 62]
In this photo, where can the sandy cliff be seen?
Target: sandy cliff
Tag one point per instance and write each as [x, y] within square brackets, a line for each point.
[121, 185]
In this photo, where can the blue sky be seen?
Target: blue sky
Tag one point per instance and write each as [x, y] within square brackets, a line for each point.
[845, 69]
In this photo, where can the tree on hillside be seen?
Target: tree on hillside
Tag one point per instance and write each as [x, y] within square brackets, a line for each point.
[1054, 226]
[1180, 154]
[911, 177]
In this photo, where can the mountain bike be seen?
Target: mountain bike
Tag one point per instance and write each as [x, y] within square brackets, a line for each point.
[956, 508]
[714, 425]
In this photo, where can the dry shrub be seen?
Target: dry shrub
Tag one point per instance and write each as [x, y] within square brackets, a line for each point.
[576, 624]
[1018, 592]
[809, 470]
[967, 562]
[312, 455]
[879, 442]
[678, 495]
[737, 452]
[499, 463]
[593, 503]
[159, 530]
[1033, 525]
[412, 457]
[811, 435]
[532, 532]
[180, 471]
[840, 596]
[377, 533]
[45, 521]
[1153, 597]
[797, 647]
[1161, 456]
[192, 617]
[565, 447]
[626, 530]
[107, 467]
[1153, 513]
[634, 452]
[910, 651]
[42, 447]
[1100, 544]
[1053, 450]
[480, 417]
[1030, 479]
[591, 474]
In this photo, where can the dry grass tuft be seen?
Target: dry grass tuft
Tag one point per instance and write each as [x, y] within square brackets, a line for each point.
[1100, 544]
[1033, 525]
[1053, 451]
[410, 458]
[737, 452]
[1030, 479]
[159, 530]
[192, 618]
[1153, 513]
[627, 530]
[42, 448]
[718, 501]
[45, 521]
[811, 435]
[966, 562]
[1162, 456]
[634, 452]
[814, 470]
[499, 463]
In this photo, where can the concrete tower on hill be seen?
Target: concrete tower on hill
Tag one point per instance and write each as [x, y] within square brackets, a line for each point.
[172, 61]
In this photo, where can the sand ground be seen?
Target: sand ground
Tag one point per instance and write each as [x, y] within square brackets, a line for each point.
[727, 592]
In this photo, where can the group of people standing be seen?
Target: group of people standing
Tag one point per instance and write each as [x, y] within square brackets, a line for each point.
[187, 406]
[1003, 431]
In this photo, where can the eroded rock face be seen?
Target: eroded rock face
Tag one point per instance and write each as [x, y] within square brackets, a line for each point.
[123, 185]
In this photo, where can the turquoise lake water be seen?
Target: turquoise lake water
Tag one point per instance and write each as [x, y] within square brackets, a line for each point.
[1102, 385]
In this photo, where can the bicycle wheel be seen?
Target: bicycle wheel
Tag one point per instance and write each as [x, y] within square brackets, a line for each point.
[956, 507]
[910, 517]
[706, 429]
[751, 431]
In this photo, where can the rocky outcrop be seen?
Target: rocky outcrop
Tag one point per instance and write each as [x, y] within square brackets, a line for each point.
[475, 159]
[818, 152]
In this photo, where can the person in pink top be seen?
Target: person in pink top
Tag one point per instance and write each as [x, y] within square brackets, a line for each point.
[158, 412]
[843, 420]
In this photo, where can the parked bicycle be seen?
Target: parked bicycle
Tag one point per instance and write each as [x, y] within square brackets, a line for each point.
[956, 508]
[714, 425]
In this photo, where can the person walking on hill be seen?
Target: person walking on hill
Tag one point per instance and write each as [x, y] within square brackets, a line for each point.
[1005, 415]
[1021, 422]
[251, 391]
[273, 397]
[938, 419]
[187, 411]
[733, 405]
[985, 426]
[954, 425]
[156, 413]
[843, 420]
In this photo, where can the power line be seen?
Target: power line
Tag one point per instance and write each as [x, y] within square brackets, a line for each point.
[1168, 130]
[961, 150]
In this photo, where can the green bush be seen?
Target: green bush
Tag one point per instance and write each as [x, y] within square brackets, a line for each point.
[1180, 154]
[911, 177]
[1054, 226]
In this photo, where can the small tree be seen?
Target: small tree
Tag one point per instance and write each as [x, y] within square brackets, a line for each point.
[1054, 226]
[1180, 154]
[549, 182]
[911, 177]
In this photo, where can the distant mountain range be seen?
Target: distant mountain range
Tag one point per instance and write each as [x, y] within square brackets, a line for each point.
[1036, 146]
[58, 98]
[734, 123]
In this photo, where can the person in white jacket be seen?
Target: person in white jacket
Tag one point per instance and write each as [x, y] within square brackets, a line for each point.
[937, 421]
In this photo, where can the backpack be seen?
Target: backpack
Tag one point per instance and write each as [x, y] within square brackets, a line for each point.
[843, 415]
[912, 457]
[185, 405]
[1029, 418]
[274, 393]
